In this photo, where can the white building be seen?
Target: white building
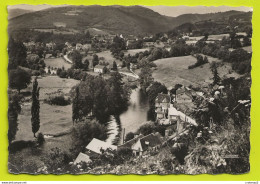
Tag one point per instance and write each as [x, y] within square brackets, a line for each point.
[96, 145]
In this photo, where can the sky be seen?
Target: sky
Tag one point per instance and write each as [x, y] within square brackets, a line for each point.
[172, 11]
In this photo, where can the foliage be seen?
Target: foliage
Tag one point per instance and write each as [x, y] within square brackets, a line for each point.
[117, 46]
[77, 59]
[102, 97]
[95, 60]
[35, 62]
[76, 106]
[57, 99]
[129, 136]
[35, 109]
[56, 160]
[112, 157]
[14, 109]
[214, 70]
[17, 54]
[154, 90]
[145, 77]
[19, 79]
[85, 64]
[200, 61]
[114, 66]
[40, 139]
[83, 132]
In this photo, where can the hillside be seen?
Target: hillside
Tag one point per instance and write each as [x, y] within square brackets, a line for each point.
[16, 12]
[111, 19]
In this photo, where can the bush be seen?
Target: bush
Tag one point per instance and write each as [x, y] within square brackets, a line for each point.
[58, 100]
[40, 139]
[129, 136]
[200, 61]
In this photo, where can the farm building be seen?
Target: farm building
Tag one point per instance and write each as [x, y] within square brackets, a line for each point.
[99, 69]
[96, 145]
[151, 141]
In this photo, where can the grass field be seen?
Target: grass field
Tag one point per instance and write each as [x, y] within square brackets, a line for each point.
[54, 119]
[171, 71]
[108, 57]
[57, 63]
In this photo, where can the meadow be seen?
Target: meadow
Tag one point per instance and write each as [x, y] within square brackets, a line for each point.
[174, 70]
[54, 119]
[57, 63]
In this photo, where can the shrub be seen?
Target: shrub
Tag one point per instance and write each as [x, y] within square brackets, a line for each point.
[40, 139]
[200, 61]
[58, 100]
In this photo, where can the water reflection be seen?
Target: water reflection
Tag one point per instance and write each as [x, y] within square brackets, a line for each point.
[137, 112]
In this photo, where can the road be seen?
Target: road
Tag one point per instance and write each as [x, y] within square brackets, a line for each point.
[130, 74]
[67, 59]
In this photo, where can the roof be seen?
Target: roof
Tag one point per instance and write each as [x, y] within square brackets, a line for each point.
[163, 98]
[129, 143]
[82, 158]
[99, 66]
[96, 145]
[150, 140]
[172, 111]
[185, 90]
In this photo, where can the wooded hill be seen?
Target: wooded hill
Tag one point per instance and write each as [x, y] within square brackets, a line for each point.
[135, 20]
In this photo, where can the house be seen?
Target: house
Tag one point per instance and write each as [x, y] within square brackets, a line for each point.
[86, 46]
[79, 46]
[99, 69]
[162, 103]
[183, 95]
[82, 158]
[173, 114]
[151, 141]
[96, 145]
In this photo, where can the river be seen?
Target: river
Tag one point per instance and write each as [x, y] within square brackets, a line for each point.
[136, 114]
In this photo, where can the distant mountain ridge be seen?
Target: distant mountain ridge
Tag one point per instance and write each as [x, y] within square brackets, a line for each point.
[136, 20]
[17, 12]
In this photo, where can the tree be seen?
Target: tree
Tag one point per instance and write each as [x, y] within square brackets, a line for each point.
[77, 59]
[239, 55]
[19, 79]
[214, 70]
[85, 64]
[117, 45]
[114, 66]
[35, 110]
[146, 129]
[76, 106]
[14, 109]
[95, 60]
[17, 54]
[123, 64]
[129, 136]
[246, 41]
[83, 132]
[154, 90]
[145, 77]
[116, 95]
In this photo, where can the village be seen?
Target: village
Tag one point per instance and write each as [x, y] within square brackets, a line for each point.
[100, 102]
